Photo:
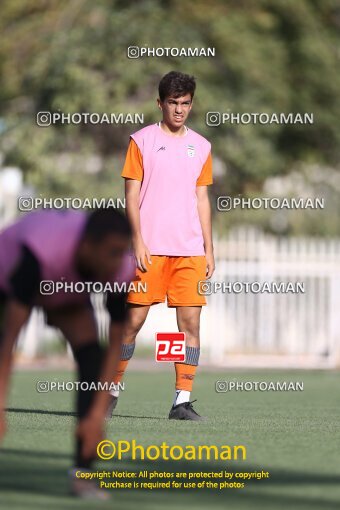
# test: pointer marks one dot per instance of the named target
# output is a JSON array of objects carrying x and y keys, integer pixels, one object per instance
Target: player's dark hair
[
  {"x": 103, "y": 222},
  {"x": 175, "y": 84}
]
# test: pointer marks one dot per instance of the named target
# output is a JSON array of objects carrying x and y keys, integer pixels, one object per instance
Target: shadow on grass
[
  {"x": 71, "y": 413},
  {"x": 36, "y": 473},
  {"x": 140, "y": 417},
  {"x": 40, "y": 411}
]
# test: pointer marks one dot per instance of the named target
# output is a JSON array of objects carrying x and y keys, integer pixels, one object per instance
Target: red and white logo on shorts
[{"x": 170, "y": 347}]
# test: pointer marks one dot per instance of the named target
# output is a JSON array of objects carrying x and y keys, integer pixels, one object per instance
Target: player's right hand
[
  {"x": 142, "y": 255},
  {"x": 91, "y": 431}
]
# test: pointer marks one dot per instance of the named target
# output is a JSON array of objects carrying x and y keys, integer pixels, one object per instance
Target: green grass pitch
[{"x": 293, "y": 435}]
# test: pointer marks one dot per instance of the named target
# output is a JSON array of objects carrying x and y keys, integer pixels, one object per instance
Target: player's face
[
  {"x": 104, "y": 258},
  {"x": 176, "y": 110}
]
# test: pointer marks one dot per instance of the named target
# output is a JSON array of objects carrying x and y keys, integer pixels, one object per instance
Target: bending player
[
  {"x": 167, "y": 171},
  {"x": 71, "y": 247}
]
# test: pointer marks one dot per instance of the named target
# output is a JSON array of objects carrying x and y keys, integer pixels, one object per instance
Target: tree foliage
[{"x": 271, "y": 56}]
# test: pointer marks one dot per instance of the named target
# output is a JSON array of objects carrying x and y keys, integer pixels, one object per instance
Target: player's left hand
[
  {"x": 91, "y": 431},
  {"x": 209, "y": 257}
]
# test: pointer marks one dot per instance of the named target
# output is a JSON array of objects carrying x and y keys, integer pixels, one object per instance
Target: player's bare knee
[
  {"x": 192, "y": 334},
  {"x": 132, "y": 328},
  {"x": 134, "y": 322}
]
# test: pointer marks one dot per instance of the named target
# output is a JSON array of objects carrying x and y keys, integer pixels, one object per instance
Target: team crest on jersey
[{"x": 191, "y": 151}]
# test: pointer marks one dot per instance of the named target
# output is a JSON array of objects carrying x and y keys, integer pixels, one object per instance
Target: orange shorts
[{"x": 173, "y": 277}]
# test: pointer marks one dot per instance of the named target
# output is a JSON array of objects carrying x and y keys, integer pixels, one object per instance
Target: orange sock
[
  {"x": 118, "y": 375},
  {"x": 126, "y": 354},
  {"x": 185, "y": 375}
]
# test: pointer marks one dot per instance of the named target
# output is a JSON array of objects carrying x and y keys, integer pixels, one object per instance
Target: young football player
[{"x": 167, "y": 172}]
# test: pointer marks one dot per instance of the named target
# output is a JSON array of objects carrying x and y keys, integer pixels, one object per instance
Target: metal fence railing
[{"x": 275, "y": 327}]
